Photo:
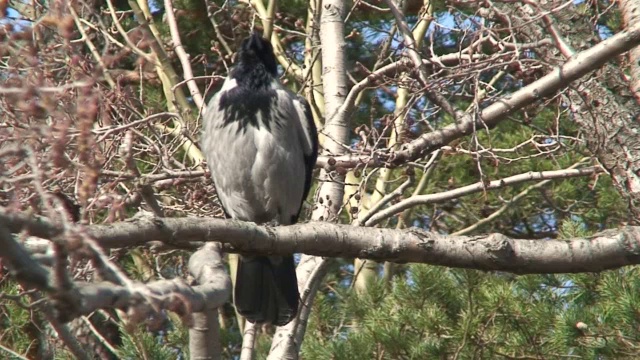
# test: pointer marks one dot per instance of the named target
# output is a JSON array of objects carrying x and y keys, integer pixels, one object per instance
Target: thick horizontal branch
[
  {"x": 142, "y": 299},
  {"x": 175, "y": 295},
  {"x": 611, "y": 249}
]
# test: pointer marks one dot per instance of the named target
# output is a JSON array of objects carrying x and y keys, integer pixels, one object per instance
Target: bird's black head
[
  {"x": 255, "y": 72},
  {"x": 255, "y": 51}
]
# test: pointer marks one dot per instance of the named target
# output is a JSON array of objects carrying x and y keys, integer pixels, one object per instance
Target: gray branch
[
  {"x": 607, "y": 250},
  {"x": 174, "y": 295},
  {"x": 204, "y": 331},
  {"x": 141, "y": 300},
  {"x": 575, "y": 68}
]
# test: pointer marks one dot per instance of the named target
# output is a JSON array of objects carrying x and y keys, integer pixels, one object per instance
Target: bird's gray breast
[{"x": 255, "y": 157}]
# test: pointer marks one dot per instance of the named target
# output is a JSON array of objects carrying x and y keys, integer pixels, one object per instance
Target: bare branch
[
  {"x": 477, "y": 187},
  {"x": 204, "y": 331},
  {"x": 183, "y": 56},
  {"x": 31, "y": 275},
  {"x": 607, "y": 250},
  {"x": 412, "y": 46},
  {"x": 92, "y": 47},
  {"x": 174, "y": 295},
  {"x": 65, "y": 334},
  {"x": 384, "y": 201},
  {"x": 21, "y": 265},
  {"x": 578, "y": 66}
]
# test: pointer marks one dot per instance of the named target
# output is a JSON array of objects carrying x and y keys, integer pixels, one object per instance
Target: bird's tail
[{"x": 266, "y": 289}]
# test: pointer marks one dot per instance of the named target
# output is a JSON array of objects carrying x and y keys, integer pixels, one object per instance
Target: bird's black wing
[
  {"x": 311, "y": 158},
  {"x": 308, "y": 137}
]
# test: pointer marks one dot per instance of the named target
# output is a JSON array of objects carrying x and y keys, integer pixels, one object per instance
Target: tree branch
[
  {"x": 417, "y": 200},
  {"x": 204, "y": 330},
  {"x": 174, "y": 295},
  {"x": 30, "y": 274},
  {"x": 248, "y": 341},
  {"x": 183, "y": 56},
  {"x": 138, "y": 298},
  {"x": 575, "y": 68},
  {"x": 606, "y": 250},
  {"x": 22, "y": 266},
  {"x": 413, "y": 47}
]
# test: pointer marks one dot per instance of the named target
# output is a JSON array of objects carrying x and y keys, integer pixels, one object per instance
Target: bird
[{"x": 261, "y": 145}]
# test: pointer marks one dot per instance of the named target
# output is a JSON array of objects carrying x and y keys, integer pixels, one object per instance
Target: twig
[
  {"x": 414, "y": 55},
  {"x": 12, "y": 353},
  {"x": 46, "y": 89},
  {"x": 384, "y": 201},
  {"x": 478, "y": 187},
  {"x": 104, "y": 342},
  {"x": 183, "y": 56},
  {"x": 65, "y": 335},
  {"x": 579, "y": 65},
  {"x": 210, "y": 6},
  {"x": 506, "y": 206},
  {"x": 148, "y": 57},
  {"x": 92, "y": 48}
]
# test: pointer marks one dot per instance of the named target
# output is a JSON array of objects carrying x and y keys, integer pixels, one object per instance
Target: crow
[{"x": 261, "y": 145}]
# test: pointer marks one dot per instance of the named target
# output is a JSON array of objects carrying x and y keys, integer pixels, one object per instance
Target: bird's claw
[{"x": 273, "y": 223}]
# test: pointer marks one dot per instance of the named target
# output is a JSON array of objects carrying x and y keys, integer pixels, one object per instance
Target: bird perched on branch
[{"x": 261, "y": 145}]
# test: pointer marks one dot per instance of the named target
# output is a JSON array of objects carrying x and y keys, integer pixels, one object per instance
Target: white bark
[{"x": 311, "y": 270}]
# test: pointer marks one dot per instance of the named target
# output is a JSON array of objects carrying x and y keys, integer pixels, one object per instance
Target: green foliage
[
  {"x": 434, "y": 312},
  {"x": 143, "y": 344},
  {"x": 594, "y": 200},
  {"x": 15, "y": 321}
]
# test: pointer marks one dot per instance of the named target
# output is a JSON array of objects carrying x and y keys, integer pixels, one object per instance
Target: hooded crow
[{"x": 261, "y": 145}]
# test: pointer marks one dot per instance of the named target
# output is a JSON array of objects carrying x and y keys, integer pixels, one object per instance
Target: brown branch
[
  {"x": 141, "y": 300},
  {"x": 175, "y": 295},
  {"x": 212, "y": 17},
  {"x": 30, "y": 274},
  {"x": 411, "y": 45}
]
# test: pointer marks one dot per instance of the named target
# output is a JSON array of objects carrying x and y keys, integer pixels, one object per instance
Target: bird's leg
[{"x": 273, "y": 223}]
